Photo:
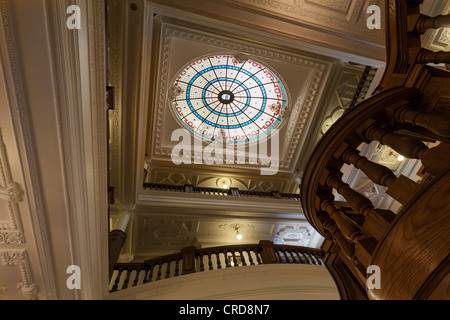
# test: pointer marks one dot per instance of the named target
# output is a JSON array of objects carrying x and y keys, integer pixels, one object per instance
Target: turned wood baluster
[
  {"x": 347, "y": 247},
  {"x": 301, "y": 255},
  {"x": 227, "y": 260},
  {"x": 241, "y": 253},
  {"x": 356, "y": 201},
  {"x": 136, "y": 278},
  {"x": 150, "y": 276},
  {"x": 377, "y": 221},
  {"x": 219, "y": 264},
  {"x": 210, "y": 264},
  {"x": 292, "y": 255},
  {"x": 424, "y": 22},
  {"x": 319, "y": 259},
  {"x": 258, "y": 257},
  {"x": 177, "y": 267},
  {"x": 169, "y": 263},
  {"x": 278, "y": 255},
  {"x": 286, "y": 258},
  {"x": 298, "y": 258},
  {"x": 158, "y": 276},
  {"x": 374, "y": 171},
  {"x": 435, "y": 123},
  {"x": 348, "y": 227},
  {"x": 250, "y": 257},
  {"x": 202, "y": 266},
  {"x": 127, "y": 278},
  {"x": 401, "y": 188},
  {"x": 234, "y": 258},
  {"x": 406, "y": 146},
  {"x": 116, "y": 283},
  {"x": 428, "y": 56},
  {"x": 409, "y": 147},
  {"x": 146, "y": 270}
]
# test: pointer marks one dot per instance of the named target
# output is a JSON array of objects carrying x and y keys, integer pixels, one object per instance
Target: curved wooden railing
[
  {"x": 235, "y": 192},
  {"x": 409, "y": 110},
  {"x": 191, "y": 260}
]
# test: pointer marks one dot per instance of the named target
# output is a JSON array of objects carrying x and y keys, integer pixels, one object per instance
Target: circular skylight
[{"x": 220, "y": 97}]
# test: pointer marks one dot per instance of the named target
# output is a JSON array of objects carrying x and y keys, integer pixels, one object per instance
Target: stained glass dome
[{"x": 220, "y": 97}]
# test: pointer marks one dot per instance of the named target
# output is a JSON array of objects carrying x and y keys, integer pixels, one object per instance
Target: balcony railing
[
  {"x": 409, "y": 111},
  {"x": 234, "y": 192},
  {"x": 190, "y": 260}
]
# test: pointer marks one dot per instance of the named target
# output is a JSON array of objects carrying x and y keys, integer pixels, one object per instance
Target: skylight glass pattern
[{"x": 220, "y": 97}]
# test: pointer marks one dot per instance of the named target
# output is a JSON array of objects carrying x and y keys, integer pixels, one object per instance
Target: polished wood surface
[{"x": 409, "y": 110}]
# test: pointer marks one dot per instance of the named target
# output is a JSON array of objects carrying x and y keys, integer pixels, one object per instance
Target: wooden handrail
[
  {"x": 406, "y": 113},
  {"x": 191, "y": 260}
]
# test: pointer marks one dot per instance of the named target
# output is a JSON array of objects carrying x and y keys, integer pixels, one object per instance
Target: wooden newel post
[
  {"x": 267, "y": 252},
  {"x": 188, "y": 259},
  {"x": 116, "y": 241}
]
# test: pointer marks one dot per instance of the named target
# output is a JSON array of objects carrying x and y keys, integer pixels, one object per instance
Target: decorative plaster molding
[
  {"x": 11, "y": 193},
  {"x": 341, "y": 16},
  {"x": 19, "y": 259},
  {"x": 301, "y": 108}
]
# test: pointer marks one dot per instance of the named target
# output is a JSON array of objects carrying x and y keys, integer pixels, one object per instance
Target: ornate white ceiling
[
  {"x": 319, "y": 84},
  {"x": 305, "y": 79}
]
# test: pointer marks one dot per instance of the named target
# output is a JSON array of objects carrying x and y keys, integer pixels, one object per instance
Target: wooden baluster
[
  {"x": 219, "y": 264},
  {"x": 359, "y": 252},
  {"x": 250, "y": 258},
  {"x": 348, "y": 227},
  {"x": 410, "y": 147},
  {"x": 177, "y": 267},
  {"x": 146, "y": 270},
  {"x": 158, "y": 276},
  {"x": 318, "y": 258},
  {"x": 347, "y": 247},
  {"x": 288, "y": 256},
  {"x": 257, "y": 254},
  {"x": 116, "y": 283},
  {"x": 302, "y": 257},
  {"x": 427, "y": 56},
  {"x": 292, "y": 256},
  {"x": 136, "y": 278},
  {"x": 169, "y": 263},
  {"x": 377, "y": 222},
  {"x": 202, "y": 266},
  {"x": 277, "y": 252},
  {"x": 297, "y": 256},
  {"x": 150, "y": 276},
  {"x": 127, "y": 278},
  {"x": 424, "y": 22},
  {"x": 210, "y": 264},
  {"x": 436, "y": 123},
  {"x": 315, "y": 258},
  {"x": 227, "y": 260},
  {"x": 310, "y": 259},
  {"x": 402, "y": 188},
  {"x": 406, "y": 146},
  {"x": 234, "y": 258},
  {"x": 244, "y": 263}
]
